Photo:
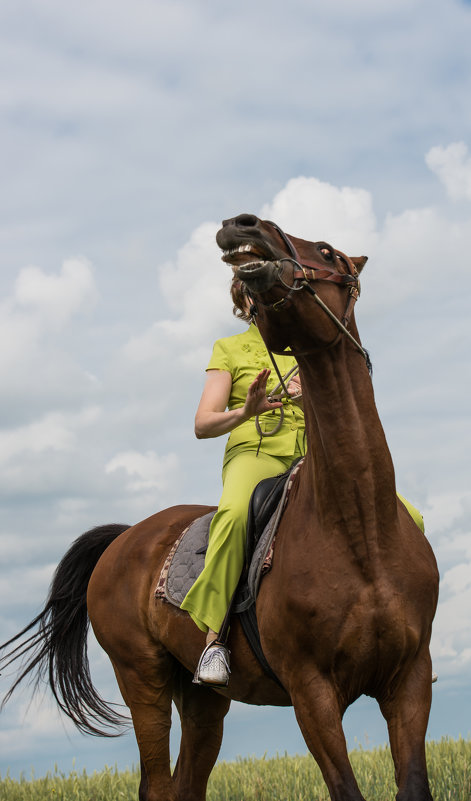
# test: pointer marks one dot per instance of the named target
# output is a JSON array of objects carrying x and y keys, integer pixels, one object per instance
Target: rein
[
  {"x": 305, "y": 273},
  {"x": 275, "y": 395}
]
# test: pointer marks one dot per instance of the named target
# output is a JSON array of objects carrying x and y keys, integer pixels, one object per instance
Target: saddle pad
[{"x": 185, "y": 561}]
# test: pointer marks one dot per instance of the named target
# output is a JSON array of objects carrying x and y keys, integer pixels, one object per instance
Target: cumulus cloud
[
  {"x": 458, "y": 578},
  {"x": 147, "y": 470},
  {"x": 56, "y": 432},
  {"x": 316, "y": 210},
  {"x": 449, "y": 528},
  {"x": 451, "y": 646},
  {"x": 195, "y": 287},
  {"x": 56, "y": 297},
  {"x": 50, "y": 456},
  {"x": 41, "y": 302},
  {"x": 407, "y": 252},
  {"x": 35, "y": 321},
  {"x": 452, "y": 165}
]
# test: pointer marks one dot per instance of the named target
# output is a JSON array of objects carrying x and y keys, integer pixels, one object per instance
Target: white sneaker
[{"x": 213, "y": 667}]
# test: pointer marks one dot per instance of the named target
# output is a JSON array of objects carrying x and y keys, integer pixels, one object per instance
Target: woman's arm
[{"x": 212, "y": 419}]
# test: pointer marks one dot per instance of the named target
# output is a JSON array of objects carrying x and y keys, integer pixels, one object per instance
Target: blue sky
[{"x": 129, "y": 130}]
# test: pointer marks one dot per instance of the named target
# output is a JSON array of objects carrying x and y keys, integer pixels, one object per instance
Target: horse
[{"x": 347, "y": 607}]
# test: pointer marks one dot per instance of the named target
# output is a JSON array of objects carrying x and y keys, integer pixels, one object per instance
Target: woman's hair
[{"x": 240, "y": 297}]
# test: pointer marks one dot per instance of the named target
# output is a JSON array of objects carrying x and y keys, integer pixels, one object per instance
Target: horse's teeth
[{"x": 240, "y": 249}]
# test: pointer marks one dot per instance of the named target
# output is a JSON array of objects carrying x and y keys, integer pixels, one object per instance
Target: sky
[{"x": 128, "y": 131}]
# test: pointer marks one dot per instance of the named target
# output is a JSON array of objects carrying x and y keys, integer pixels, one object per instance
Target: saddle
[
  {"x": 263, "y": 503},
  {"x": 186, "y": 559}
]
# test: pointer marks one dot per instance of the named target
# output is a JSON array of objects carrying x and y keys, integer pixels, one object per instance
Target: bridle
[{"x": 307, "y": 272}]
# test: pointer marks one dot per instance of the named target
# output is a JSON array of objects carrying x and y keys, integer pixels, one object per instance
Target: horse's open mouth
[
  {"x": 244, "y": 254},
  {"x": 259, "y": 276},
  {"x": 254, "y": 269}
]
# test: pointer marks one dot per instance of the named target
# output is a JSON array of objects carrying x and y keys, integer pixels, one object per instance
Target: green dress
[{"x": 247, "y": 460}]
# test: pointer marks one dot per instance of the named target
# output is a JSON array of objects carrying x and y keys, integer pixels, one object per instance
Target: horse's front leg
[
  {"x": 318, "y": 713},
  {"x": 407, "y": 710}
]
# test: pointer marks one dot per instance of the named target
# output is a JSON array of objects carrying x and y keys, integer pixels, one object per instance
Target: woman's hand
[
  {"x": 256, "y": 401},
  {"x": 295, "y": 390},
  {"x": 212, "y": 419}
]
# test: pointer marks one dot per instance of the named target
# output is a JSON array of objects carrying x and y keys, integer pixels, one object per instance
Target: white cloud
[
  {"x": 36, "y": 322},
  {"x": 451, "y": 643},
  {"x": 407, "y": 253},
  {"x": 316, "y": 210},
  {"x": 196, "y": 284},
  {"x": 458, "y": 578},
  {"x": 450, "y": 508},
  {"x": 452, "y": 165},
  {"x": 55, "y": 432},
  {"x": 449, "y": 529},
  {"x": 55, "y": 456},
  {"x": 56, "y": 297},
  {"x": 40, "y": 302},
  {"x": 196, "y": 288},
  {"x": 147, "y": 470}
]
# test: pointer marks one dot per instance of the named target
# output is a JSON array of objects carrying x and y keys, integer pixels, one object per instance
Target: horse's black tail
[{"x": 57, "y": 651}]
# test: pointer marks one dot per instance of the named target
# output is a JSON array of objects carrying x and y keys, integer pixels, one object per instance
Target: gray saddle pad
[{"x": 187, "y": 559}]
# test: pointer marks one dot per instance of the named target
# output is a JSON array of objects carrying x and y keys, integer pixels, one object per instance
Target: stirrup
[{"x": 213, "y": 666}]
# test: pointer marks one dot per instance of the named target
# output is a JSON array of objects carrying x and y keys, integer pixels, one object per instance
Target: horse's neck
[{"x": 348, "y": 465}]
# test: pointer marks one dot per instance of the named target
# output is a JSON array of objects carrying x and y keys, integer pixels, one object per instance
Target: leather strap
[{"x": 315, "y": 273}]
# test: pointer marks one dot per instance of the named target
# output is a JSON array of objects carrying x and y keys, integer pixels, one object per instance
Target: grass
[{"x": 283, "y": 778}]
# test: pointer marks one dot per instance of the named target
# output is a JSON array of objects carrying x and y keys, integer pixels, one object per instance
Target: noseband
[{"x": 305, "y": 273}]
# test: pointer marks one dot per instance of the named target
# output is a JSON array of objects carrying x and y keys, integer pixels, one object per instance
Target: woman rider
[{"x": 235, "y": 392}]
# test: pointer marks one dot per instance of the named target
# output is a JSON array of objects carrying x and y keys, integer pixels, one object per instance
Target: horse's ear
[{"x": 359, "y": 262}]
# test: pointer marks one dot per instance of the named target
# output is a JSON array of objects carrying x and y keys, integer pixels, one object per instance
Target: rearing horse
[{"x": 347, "y": 608}]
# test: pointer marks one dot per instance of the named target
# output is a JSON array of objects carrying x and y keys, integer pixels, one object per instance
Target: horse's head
[{"x": 284, "y": 275}]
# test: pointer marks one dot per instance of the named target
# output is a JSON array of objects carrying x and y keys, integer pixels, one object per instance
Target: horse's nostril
[{"x": 246, "y": 220}]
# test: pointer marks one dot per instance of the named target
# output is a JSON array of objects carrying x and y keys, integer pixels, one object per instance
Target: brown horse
[{"x": 347, "y": 608}]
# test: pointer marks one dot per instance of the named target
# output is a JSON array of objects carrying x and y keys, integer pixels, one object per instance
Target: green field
[{"x": 280, "y": 779}]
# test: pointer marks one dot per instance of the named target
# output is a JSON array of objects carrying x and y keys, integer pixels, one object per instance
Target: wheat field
[{"x": 282, "y": 778}]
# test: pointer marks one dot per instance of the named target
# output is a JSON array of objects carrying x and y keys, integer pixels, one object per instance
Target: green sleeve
[{"x": 220, "y": 357}]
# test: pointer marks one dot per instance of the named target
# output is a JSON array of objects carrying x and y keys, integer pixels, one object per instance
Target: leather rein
[{"x": 305, "y": 273}]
